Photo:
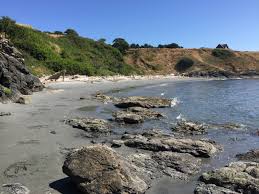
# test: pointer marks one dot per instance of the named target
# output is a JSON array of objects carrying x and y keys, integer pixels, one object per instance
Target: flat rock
[
  {"x": 189, "y": 127},
  {"x": 212, "y": 189},
  {"x": 198, "y": 148},
  {"x": 93, "y": 126},
  {"x": 252, "y": 156},
  {"x": 144, "y": 102},
  {"x": 100, "y": 170},
  {"x": 128, "y": 117},
  {"x": 15, "y": 188},
  {"x": 241, "y": 177}
]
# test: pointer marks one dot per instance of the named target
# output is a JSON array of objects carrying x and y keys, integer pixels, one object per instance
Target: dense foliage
[
  {"x": 222, "y": 53},
  {"x": 50, "y": 52},
  {"x": 121, "y": 44},
  {"x": 184, "y": 64}
]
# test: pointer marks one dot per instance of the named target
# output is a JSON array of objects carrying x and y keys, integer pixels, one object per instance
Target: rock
[
  {"x": 229, "y": 126},
  {"x": 15, "y": 188},
  {"x": 144, "y": 102},
  {"x": 117, "y": 143},
  {"x": 175, "y": 165},
  {"x": 98, "y": 169},
  {"x": 241, "y": 177},
  {"x": 128, "y": 117},
  {"x": 146, "y": 113},
  {"x": 188, "y": 127},
  {"x": 104, "y": 98},
  {"x": 23, "y": 100},
  {"x": 198, "y": 148},
  {"x": 212, "y": 189},
  {"x": 252, "y": 156},
  {"x": 15, "y": 78},
  {"x": 5, "y": 114},
  {"x": 94, "y": 126},
  {"x": 53, "y": 132}
]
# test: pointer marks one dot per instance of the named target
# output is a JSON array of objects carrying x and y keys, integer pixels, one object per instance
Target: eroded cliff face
[{"x": 15, "y": 78}]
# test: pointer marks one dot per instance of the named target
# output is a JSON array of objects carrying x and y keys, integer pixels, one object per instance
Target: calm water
[{"x": 212, "y": 102}]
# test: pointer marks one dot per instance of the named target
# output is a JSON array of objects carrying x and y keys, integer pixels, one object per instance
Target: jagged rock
[
  {"x": 93, "y": 126},
  {"x": 5, "y": 114},
  {"x": 146, "y": 113},
  {"x": 241, "y": 177},
  {"x": 188, "y": 127},
  {"x": 198, "y": 148},
  {"x": 128, "y": 117},
  {"x": 144, "y": 102},
  {"x": 175, "y": 165},
  {"x": 98, "y": 169},
  {"x": 15, "y": 79},
  {"x": 15, "y": 188},
  {"x": 212, "y": 189},
  {"x": 252, "y": 156}
]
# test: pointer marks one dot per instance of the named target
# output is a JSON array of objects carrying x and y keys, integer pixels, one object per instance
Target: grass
[{"x": 6, "y": 90}]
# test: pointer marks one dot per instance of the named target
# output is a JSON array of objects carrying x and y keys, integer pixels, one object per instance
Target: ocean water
[{"x": 210, "y": 102}]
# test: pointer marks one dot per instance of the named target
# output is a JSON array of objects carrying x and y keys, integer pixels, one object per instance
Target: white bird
[{"x": 162, "y": 94}]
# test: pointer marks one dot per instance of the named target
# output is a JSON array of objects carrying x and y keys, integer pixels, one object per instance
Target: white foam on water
[{"x": 174, "y": 102}]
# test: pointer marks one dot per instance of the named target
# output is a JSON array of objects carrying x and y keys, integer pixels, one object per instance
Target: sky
[{"x": 190, "y": 23}]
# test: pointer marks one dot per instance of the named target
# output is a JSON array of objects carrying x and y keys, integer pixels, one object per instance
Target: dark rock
[
  {"x": 212, "y": 189},
  {"x": 15, "y": 188},
  {"x": 15, "y": 79},
  {"x": 198, "y": 148},
  {"x": 94, "y": 126},
  {"x": 98, "y": 169},
  {"x": 144, "y": 102},
  {"x": 5, "y": 114},
  {"x": 146, "y": 113},
  {"x": 128, "y": 117},
  {"x": 188, "y": 127},
  {"x": 241, "y": 177},
  {"x": 252, "y": 156},
  {"x": 53, "y": 132}
]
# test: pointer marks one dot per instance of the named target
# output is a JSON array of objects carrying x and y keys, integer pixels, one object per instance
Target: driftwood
[{"x": 57, "y": 75}]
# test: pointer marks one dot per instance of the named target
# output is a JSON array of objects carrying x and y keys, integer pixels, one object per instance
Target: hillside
[
  {"x": 194, "y": 62},
  {"x": 46, "y": 53}
]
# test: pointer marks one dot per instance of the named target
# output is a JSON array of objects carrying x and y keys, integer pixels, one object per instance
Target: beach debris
[
  {"x": 252, "y": 156},
  {"x": 99, "y": 169},
  {"x": 5, "y": 114},
  {"x": 23, "y": 100},
  {"x": 15, "y": 188},
  {"x": 95, "y": 127},
  {"x": 240, "y": 177}
]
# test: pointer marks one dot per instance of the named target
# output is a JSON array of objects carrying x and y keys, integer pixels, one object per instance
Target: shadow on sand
[{"x": 64, "y": 186}]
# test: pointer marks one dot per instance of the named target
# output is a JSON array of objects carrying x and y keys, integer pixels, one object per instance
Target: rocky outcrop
[
  {"x": 212, "y": 189},
  {"x": 240, "y": 177},
  {"x": 95, "y": 127},
  {"x": 98, "y": 169},
  {"x": 189, "y": 127},
  {"x": 158, "y": 142},
  {"x": 252, "y": 156},
  {"x": 15, "y": 78},
  {"x": 134, "y": 115},
  {"x": 144, "y": 102}
]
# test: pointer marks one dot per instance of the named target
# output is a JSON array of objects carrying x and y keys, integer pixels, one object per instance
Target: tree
[
  {"x": 134, "y": 46},
  {"x": 121, "y": 44},
  {"x": 71, "y": 32},
  {"x": 6, "y": 24},
  {"x": 102, "y": 40}
]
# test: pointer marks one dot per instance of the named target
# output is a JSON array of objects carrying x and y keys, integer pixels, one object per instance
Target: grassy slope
[
  {"x": 45, "y": 54},
  {"x": 163, "y": 61}
]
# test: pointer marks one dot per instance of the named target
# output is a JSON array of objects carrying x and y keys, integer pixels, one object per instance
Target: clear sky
[{"x": 191, "y": 23}]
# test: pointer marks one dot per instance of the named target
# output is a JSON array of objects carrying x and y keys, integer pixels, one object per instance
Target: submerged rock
[
  {"x": 240, "y": 177},
  {"x": 15, "y": 188},
  {"x": 198, "y": 148},
  {"x": 212, "y": 189},
  {"x": 98, "y": 169},
  {"x": 188, "y": 127},
  {"x": 93, "y": 126},
  {"x": 136, "y": 115},
  {"x": 144, "y": 102},
  {"x": 252, "y": 156}
]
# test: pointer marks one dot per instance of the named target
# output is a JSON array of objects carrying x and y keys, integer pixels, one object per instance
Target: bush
[
  {"x": 222, "y": 53},
  {"x": 184, "y": 64}
]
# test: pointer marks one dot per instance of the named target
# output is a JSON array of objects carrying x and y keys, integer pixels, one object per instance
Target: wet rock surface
[
  {"x": 158, "y": 142},
  {"x": 14, "y": 188},
  {"x": 98, "y": 169},
  {"x": 212, "y": 189},
  {"x": 189, "y": 127},
  {"x": 240, "y": 177},
  {"x": 252, "y": 156},
  {"x": 95, "y": 127}
]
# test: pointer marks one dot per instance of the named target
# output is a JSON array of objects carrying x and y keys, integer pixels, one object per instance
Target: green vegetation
[
  {"x": 222, "y": 53},
  {"x": 121, "y": 44},
  {"x": 7, "y": 91},
  {"x": 184, "y": 64},
  {"x": 50, "y": 52}
]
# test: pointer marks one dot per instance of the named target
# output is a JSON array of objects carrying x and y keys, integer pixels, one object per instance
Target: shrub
[
  {"x": 7, "y": 91},
  {"x": 184, "y": 64},
  {"x": 222, "y": 53}
]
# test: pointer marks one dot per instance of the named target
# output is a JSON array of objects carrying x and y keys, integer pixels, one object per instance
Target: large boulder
[
  {"x": 15, "y": 78},
  {"x": 95, "y": 127},
  {"x": 158, "y": 142},
  {"x": 240, "y": 177},
  {"x": 99, "y": 170}
]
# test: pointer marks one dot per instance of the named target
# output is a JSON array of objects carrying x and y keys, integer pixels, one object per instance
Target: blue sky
[{"x": 191, "y": 23}]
